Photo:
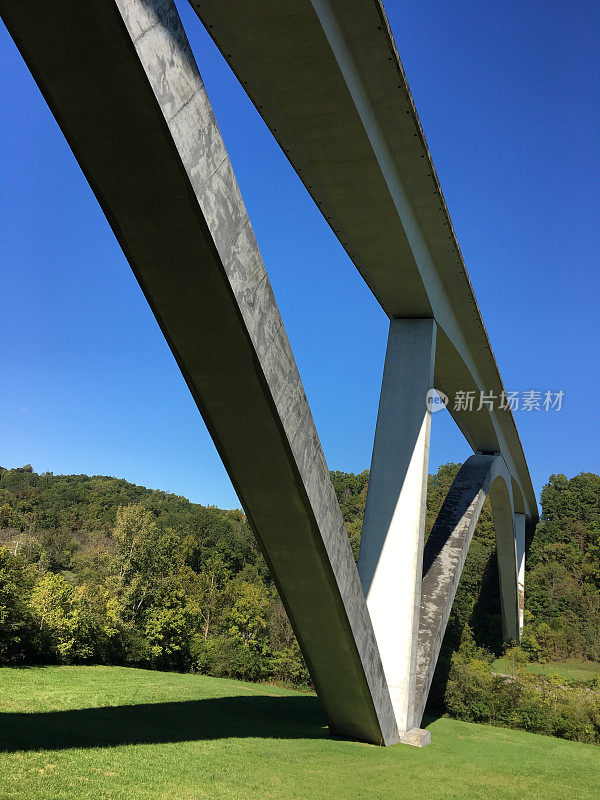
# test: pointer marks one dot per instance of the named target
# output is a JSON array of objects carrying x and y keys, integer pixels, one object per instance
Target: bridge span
[{"x": 122, "y": 83}]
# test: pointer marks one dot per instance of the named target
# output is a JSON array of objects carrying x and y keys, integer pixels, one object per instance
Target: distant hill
[{"x": 82, "y": 505}]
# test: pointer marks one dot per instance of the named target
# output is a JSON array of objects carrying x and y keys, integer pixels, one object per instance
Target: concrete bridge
[{"x": 121, "y": 81}]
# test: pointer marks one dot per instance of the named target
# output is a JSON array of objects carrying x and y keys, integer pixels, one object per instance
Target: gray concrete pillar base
[{"x": 417, "y": 737}]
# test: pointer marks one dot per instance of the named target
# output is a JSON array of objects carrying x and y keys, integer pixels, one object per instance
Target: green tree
[
  {"x": 16, "y": 623},
  {"x": 145, "y": 558},
  {"x": 5, "y": 515},
  {"x": 62, "y": 614},
  {"x": 168, "y": 628},
  {"x": 562, "y": 582},
  {"x": 248, "y": 616}
]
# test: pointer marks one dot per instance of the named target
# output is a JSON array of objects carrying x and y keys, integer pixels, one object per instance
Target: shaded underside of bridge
[{"x": 326, "y": 77}]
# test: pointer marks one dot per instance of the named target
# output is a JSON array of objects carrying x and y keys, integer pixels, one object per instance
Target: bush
[
  {"x": 287, "y": 666},
  {"x": 226, "y": 657},
  {"x": 535, "y": 703}
]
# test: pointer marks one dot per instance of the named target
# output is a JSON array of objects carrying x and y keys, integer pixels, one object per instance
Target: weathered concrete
[
  {"x": 444, "y": 558},
  {"x": 121, "y": 81},
  {"x": 417, "y": 737},
  {"x": 391, "y": 548}
]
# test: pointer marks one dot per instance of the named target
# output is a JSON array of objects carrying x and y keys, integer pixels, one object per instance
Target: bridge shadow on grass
[{"x": 152, "y": 723}]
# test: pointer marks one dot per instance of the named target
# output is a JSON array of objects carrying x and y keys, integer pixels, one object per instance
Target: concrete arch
[
  {"x": 501, "y": 499},
  {"x": 445, "y": 553},
  {"x": 486, "y": 429}
]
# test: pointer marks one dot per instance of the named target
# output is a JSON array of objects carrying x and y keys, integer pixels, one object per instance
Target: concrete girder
[
  {"x": 445, "y": 553},
  {"x": 120, "y": 78}
]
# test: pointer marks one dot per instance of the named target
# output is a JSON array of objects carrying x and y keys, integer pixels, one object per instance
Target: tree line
[{"x": 98, "y": 570}]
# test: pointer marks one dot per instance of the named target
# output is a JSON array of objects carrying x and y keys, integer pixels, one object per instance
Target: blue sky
[{"x": 509, "y": 98}]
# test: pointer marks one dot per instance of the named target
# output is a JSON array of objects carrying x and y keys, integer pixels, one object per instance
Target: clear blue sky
[{"x": 509, "y": 98}]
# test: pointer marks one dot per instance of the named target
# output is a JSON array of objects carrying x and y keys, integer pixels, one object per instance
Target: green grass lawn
[
  {"x": 111, "y": 733},
  {"x": 571, "y": 670}
]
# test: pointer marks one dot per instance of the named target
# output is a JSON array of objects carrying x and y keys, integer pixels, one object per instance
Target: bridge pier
[{"x": 391, "y": 550}]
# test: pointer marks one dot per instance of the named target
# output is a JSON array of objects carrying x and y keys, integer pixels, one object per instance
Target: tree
[
  {"x": 248, "y": 616},
  {"x": 169, "y": 628},
  {"x": 562, "y": 582},
  {"x": 146, "y": 556},
  {"x": 63, "y": 617},
  {"x": 5, "y": 515},
  {"x": 16, "y": 624}
]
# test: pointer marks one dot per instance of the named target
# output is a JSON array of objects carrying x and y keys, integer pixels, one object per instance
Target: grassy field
[
  {"x": 111, "y": 733},
  {"x": 571, "y": 670}
]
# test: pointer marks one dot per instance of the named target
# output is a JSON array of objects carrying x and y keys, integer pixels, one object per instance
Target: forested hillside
[
  {"x": 562, "y": 584},
  {"x": 95, "y": 569}
]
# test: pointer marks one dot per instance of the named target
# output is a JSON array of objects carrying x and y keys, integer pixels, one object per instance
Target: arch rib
[{"x": 445, "y": 554}]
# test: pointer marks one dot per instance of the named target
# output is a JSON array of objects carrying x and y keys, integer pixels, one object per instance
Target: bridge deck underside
[{"x": 326, "y": 77}]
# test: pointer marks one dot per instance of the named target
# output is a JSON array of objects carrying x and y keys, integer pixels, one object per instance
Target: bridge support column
[
  {"x": 391, "y": 551},
  {"x": 520, "y": 545}
]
